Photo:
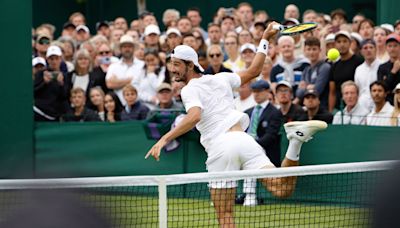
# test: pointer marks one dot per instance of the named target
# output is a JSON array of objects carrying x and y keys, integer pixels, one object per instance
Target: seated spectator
[
  {"x": 215, "y": 59},
  {"x": 104, "y": 58},
  {"x": 174, "y": 38},
  {"x": 165, "y": 97},
  {"x": 380, "y": 35},
  {"x": 113, "y": 107},
  {"x": 266, "y": 71},
  {"x": 395, "y": 121},
  {"x": 79, "y": 112},
  {"x": 314, "y": 111},
  {"x": 247, "y": 53},
  {"x": 82, "y": 34},
  {"x": 234, "y": 62},
  {"x": 353, "y": 113},
  {"x": 134, "y": 109},
  {"x": 290, "y": 111},
  {"x": 152, "y": 36},
  {"x": 189, "y": 40},
  {"x": 245, "y": 37},
  {"x": 96, "y": 95},
  {"x": 42, "y": 44},
  {"x": 38, "y": 64},
  {"x": 382, "y": 113}
]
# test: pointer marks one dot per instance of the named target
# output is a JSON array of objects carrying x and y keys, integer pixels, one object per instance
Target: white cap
[
  {"x": 53, "y": 50},
  {"x": 186, "y": 53},
  {"x": 173, "y": 30},
  {"x": 250, "y": 46},
  {"x": 285, "y": 83},
  {"x": 38, "y": 60},
  {"x": 330, "y": 38},
  {"x": 388, "y": 27},
  {"x": 126, "y": 39},
  {"x": 150, "y": 29},
  {"x": 343, "y": 33},
  {"x": 357, "y": 37},
  {"x": 82, "y": 27},
  {"x": 396, "y": 88}
]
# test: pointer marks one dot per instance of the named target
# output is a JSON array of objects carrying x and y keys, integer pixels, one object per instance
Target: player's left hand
[{"x": 155, "y": 151}]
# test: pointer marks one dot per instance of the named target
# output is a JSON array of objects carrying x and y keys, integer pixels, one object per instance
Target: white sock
[
  {"x": 249, "y": 186},
  {"x": 293, "y": 150}
]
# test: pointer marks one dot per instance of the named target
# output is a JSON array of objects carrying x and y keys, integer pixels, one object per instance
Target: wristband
[{"x": 263, "y": 47}]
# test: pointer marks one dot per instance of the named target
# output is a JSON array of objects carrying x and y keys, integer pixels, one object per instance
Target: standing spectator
[
  {"x": 148, "y": 18},
  {"x": 247, "y": 53},
  {"x": 189, "y": 40},
  {"x": 174, "y": 38},
  {"x": 113, "y": 107},
  {"x": 342, "y": 70},
  {"x": 290, "y": 112},
  {"x": 339, "y": 18},
  {"x": 265, "y": 124},
  {"x": 366, "y": 29},
  {"x": 380, "y": 35},
  {"x": 397, "y": 27},
  {"x": 170, "y": 18},
  {"x": 82, "y": 34},
  {"x": 261, "y": 15},
  {"x": 38, "y": 64},
  {"x": 49, "y": 93},
  {"x": 382, "y": 113},
  {"x": 316, "y": 75},
  {"x": 288, "y": 68},
  {"x": 291, "y": 11},
  {"x": 389, "y": 72},
  {"x": 273, "y": 52},
  {"x": 68, "y": 49},
  {"x": 77, "y": 19},
  {"x": 314, "y": 111},
  {"x": 184, "y": 25},
  {"x": 246, "y": 16},
  {"x": 116, "y": 35},
  {"x": 356, "y": 21},
  {"x": 266, "y": 70},
  {"x": 195, "y": 18},
  {"x": 200, "y": 41},
  {"x": 215, "y": 59},
  {"x": 309, "y": 16},
  {"x": 121, "y": 23},
  {"x": 104, "y": 58},
  {"x": 366, "y": 73},
  {"x": 78, "y": 111},
  {"x": 395, "y": 121},
  {"x": 68, "y": 30},
  {"x": 214, "y": 34},
  {"x": 134, "y": 109},
  {"x": 96, "y": 95},
  {"x": 103, "y": 28},
  {"x": 228, "y": 24},
  {"x": 245, "y": 100},
  {"x": 165, "y": 97},
  {"x": 42, "y": 44},
  {"x": 353, "y": 113},
  {"x": 257, "y": 32},
  {"x": 152, "y": 36},
  {"x": 245, "y": 37},
  {"x": 234, "y": 62},
  {"x": 121, "y": 73}
]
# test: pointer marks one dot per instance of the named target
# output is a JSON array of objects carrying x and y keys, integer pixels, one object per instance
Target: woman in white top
[
  {"x": 380, "y": 35},
  {"x": 97, "y": 99},
  {"x": 395, "y": 121}
]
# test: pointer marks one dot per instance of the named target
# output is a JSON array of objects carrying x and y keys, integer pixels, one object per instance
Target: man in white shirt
[
  {"x": 382, "y": 113},
  {"x": 366, "y": 73},
  {"x": 208, "y": 100},
  {"x": 122, "y": 72},
  {"x": 353, "y": 113}
]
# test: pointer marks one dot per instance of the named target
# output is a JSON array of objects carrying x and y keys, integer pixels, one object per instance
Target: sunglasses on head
[{"x": 215, "y": 55}]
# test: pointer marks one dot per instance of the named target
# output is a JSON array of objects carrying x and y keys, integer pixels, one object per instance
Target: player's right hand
[
  {"x": 155, "y": 151},
  {"x": 270, "y": 32}
]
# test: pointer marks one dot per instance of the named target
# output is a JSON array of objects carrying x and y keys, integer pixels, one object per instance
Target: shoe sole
[{"x": 318, "y": 124}]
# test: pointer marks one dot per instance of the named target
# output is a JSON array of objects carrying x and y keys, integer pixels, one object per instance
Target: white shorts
[{"x": 235, "y": 150}]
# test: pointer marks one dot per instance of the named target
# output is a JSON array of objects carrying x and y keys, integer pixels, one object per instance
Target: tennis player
[{"x": 208, "y": 100}]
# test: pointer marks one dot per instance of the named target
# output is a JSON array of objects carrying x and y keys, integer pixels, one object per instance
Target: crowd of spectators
[{"x": 120, "y": 72}]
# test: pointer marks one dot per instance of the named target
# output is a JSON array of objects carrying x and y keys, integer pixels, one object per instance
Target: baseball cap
[
  {"x": 174, "y": 31},
  {"x": 291, "y": 21},
  {"x": 186, "y": 53},
  {"x": 330, "y": 38},
  {"x": 343, "y": 33},
  {"x": 53, "y": 50},
  {"x": 43, "y": 36},
  {"x": 388, "y": 27},
  {"x": 396, "y": 88},
  {"x": 164, "y": 86},
  {"x": 393, "y": 37},
  {"x": 101, "y": 24},
  {"x": 259, "y": 85},
  {"x": 82, "y": 27},
  {"x": 367, "y": 41},
  {"x": 312, "y": 92},
  {"x": 126, "y": 39},
  {"x": 250, "y": 46},
  {"x": 150, "y": 29},
  {"x": 283, "y": 83},
  {"x": 260, "y": 23},
  {"x": 357, "y": 37},
  {"x": 38, "y": 60},
  {"x": 68, "y": 24}
]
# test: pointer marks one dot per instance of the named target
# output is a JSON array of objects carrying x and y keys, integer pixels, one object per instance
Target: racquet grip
[{"x": 278, "y": 27}]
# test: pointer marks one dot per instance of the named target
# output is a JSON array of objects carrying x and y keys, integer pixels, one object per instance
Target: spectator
[
  {"x": 395, "y": 120},
  {"x": 309, "y": 16},
  {"x": 291, "y": 11},
  {"x": 353, "y": 113},
  {"x": 366, "y": 73},
  {"x": 258, "y": 31},
  {"x": 381, "y": 115},
  {"x": 366, "y": 29},
  {"x": 246, "y": 16},
  {"x": 77, "y": 19},
  {"x": 134, "y": 34},
  {"x": 266, "y": 70},
  {"x": 273, "y": 53},
  {"x": 79, "y": 112},
  {"x": 245, "y": 100},
  {"x": 96, "y": 95},
  {"x": 113, "y": 107},
  {"x": 355, "y": 45},
  {"x": 389, "y": 72},
  {"x": 134, "y": 109},
  {"x": 121, "y": 23},
  {"x": 49, "y": 93},
  {"x": 356, "y": 21},
  {"x": 261, "y": 15},
  {"x": 189, "y": 40},
  {"x": 68, "y": 50},
  {"x": 265, "y": 124},
  {"x": 228, "y": 24},
  {"x": 68, "y": 30},
  {"x": 288, "y": 68},
  {"x": 152, "y": 36},
  {"x": 165, "y": 97},
  {"x": 342, "y": 70},
  {"x": 174, "y": 38},
  {"x": 170, "y": 18},
  {"x": 290, "y": 112},
  {"x": 148, "y": 18},
  {"x": 104, "y": 58},
  {"x": 215, "y": 59},
  {"x": 121, "y": 73},
  {"x": 42, "y": 44},
  {"x": 234, "y": 62},
  {"x": 116, "y": 35},
  {"x": 200, "y": 41},
  {"x": 313, "y": 109},
  {"x": 139, "y": 51},
  {"x": 339, "y": 18},
  {"x": 245, "y": 37},
  {"x": 185, "y": 25},
  {"x": 38, "y": 64},
  {"x": 195, "y": 18},
  {"x": 247, "y": 53},
  {"x": 82, "y": 34},
  {"x": 397, "y": 27},
  {"x": 380, "y": 35},
  {"x": 214, "y": 34},
  {"x": 316, "y": 75},
  {"x": 103, "y": 28}
]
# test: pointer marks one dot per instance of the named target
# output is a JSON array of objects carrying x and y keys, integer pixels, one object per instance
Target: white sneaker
[
  {"x": 303, "y": 130},
  {"x": 250, "y": 200}
]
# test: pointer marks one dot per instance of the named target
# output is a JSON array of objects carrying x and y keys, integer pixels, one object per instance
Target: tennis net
[{"x": 337, "y": 195}]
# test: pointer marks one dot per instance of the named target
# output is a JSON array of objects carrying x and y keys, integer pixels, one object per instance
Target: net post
[{"x": 162, "y": 203}]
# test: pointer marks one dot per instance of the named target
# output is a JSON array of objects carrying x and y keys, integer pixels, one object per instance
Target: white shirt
[
  {"x": 364, "y": 75},
  {"x": 124, "y": 71},
  {"x": 381, "y": 118},
  {"x": 213, "y": 94},
  {"x": 81, "y": 81},
  {"x": 356, "y": 116},
  {"x": 243, "y": 105},
  {"x": 147, "y": 84}
]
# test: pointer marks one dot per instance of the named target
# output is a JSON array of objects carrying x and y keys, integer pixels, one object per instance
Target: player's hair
[
  {"x": 312, "y": 41},
  {"x": 349, "y": 83}
]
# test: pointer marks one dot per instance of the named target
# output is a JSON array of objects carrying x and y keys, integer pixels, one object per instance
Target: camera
[
  {"x": 105, "y": 60},
  {"x": 229, "y": 11},
  {"x": 54, "y": 74}
]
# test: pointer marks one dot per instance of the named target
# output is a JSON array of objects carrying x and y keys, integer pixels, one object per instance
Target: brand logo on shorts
[{"x": 299, "y": 133}]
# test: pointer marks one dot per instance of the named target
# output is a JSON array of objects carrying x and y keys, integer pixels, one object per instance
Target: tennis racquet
[{"x": 291, "y": 30}]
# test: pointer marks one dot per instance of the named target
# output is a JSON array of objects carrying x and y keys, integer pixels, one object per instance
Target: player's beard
[{"x": 180, "y": 77}]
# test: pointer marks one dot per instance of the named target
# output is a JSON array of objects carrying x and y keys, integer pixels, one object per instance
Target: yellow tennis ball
[{"x": 333, "y": 54}]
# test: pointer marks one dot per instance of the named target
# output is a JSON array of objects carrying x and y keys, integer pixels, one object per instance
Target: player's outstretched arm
[
  {"x": 187, "y": 123},
  {"x": 256, "y": 66}
]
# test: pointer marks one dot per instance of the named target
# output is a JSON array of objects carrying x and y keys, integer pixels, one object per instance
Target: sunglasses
[
  {"x": 104, "y": 52},
  {"x": 215, "y": 55},
  {"x": 44, "y": 41},
  {"x": 230, "y": 43}
]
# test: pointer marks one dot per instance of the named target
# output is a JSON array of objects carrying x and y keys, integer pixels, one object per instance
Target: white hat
[
  {"x": 330, "y": 38},
  {"x": 150, "y": 29},
  {"x": 387, "y": 27},
  {"x": 126, "y": 39},
  {"x": 187, "y": 53},
  {"x": 343, "y": 33},
  {"x": 82, "y": 27},
  {"x": 250, "y": 46},
  {"x": 396, "y": 88},
  {"x": 285, "y": 83},
  {"x": 38, "y": 60},
  {"x": 357, "y": 37},
  {"x": 173, "y": 30},
  {"x": 53, "y": 50}
]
